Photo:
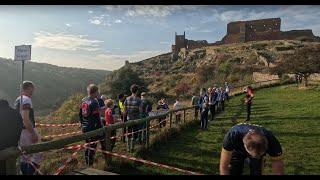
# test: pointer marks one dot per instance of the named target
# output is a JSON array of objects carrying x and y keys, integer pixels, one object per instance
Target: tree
[
  {"x": 121, "y": 80},
  {"x": 304, "y": 62}
]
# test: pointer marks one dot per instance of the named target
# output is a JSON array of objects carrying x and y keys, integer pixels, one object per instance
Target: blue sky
[{"x": 103, "y": 37}]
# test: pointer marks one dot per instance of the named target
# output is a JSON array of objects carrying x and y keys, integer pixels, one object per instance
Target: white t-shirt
[{"x": 177, "y": 105}]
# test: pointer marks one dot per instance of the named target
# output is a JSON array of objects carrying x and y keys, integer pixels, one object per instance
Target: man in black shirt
[
  {"x": 249, "y": 142},
  {"x": 11, "y": 124}
]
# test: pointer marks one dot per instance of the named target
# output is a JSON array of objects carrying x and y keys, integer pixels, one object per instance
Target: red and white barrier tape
[
  {"x": 56, "y": 125},
  {"x": 23, "y": 153},
  {"x": 73, "y": 156},
  {"x": 59, "y": 135},
  {"x": 146, "y": 162}
]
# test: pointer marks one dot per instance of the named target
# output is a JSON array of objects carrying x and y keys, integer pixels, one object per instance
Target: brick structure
[{"x": 182, "y": 42}]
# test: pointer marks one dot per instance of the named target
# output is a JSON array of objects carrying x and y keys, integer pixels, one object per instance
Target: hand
[{"x": 34, "y": 137}]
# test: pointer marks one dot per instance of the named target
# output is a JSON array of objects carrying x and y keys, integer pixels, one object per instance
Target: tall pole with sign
[{"x": 22, "y": 53}]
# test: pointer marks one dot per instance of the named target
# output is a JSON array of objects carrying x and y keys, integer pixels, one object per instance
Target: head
[
  {"x": 134, "y": 89},
  {"x": 4, "y": 103},
  {"x": 121, "y": 97},
  {"x": 209, "y": 90},
  {"x": 28, "y": 88},
  {"x": 163, "y": 101},
  {"x": 104, "y": 97},
  {"x": 177, "y": 99},
  {"x": 93, "y": 91},
  {"x": 143, "y": 95},
  {"x": 109, "y": 103},
  {"x": 255, "y": 143}
]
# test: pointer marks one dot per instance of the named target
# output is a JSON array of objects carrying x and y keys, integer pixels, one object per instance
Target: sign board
[{"x": 22, "y": 53}]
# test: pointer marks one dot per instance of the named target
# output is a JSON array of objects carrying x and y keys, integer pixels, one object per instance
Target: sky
[{"x": 105, "y": 36}]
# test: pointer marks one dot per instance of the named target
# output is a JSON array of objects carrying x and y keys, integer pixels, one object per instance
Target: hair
[
  {"x": 92, "y": 88},
  {"x": 120, "y": 96},
  {"x": 27, "y": 84},
  {"x": 134, "y": 88},
  {"x": 256, "y": 142},
  {"x": 3, "y": 103},
  {"x": 109, "y": 103}
]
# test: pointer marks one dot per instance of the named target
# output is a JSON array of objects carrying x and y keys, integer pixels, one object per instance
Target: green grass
[{"x": 292, "y": 114}]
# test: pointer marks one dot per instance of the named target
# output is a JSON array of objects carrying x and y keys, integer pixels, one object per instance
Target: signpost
[{"x": 22, "y": 53}]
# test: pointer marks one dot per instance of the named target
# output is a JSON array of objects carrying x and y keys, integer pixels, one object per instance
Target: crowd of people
[{"x": 243, "y": 141}]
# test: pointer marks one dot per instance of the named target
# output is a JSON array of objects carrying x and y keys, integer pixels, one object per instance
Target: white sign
[{"x": 22, "y": 53}]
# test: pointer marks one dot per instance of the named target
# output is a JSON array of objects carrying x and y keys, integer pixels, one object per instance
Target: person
[
  {"x": 102, "y": 108},
  {"x": 132, "y": 111},
  {"x": 146, "y": 107},
  {"x": 250, "y": 143},
  {"x": 178, "y": 105},
  {"x": 204, "y": 109},
  {"x": 109, "y": 119},
  {"x": 227, "y": 90},
  {"x": 195, "y": 102},
  {"x": 162, "y": 107},
  {"x": 223, "y": 98},
  {"x": 29, "y": 133},
  {"x": 248, "y": 100},
  {"x": 212, "y": 95},
  {"x": 90, "y": 120},
  {"x": 121, "y": 99},
  {"x": 219, "y": 97},
  {"x": 11, "y": 124}
]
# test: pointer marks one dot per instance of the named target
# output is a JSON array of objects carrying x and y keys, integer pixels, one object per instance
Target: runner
[
  {"x": 29, "y": 134},
  {"x": 204, "y": 100},
  {"x": 90, "y": 120},
  {"x": 132, "y": 111},
  {"x": 248, "y": 101},
  {"x": 248, "y": 142}
]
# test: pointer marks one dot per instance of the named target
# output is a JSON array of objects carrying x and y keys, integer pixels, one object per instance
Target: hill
[
  {"x": 54, "y": 84},
  {"x": 236, "y": 63}
]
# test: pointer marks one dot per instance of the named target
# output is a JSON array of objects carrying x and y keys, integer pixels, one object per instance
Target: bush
[
  {"x": 181, "y": 89},
  {"x": 258, "y": 46},
  {"x": 284, "y": 48}
]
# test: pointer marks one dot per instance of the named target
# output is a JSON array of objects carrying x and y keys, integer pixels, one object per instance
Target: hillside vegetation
[{"x": 54, "y": 84}]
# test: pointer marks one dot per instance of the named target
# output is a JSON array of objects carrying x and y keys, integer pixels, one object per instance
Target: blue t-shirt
[{"x": 233, "y": 140}]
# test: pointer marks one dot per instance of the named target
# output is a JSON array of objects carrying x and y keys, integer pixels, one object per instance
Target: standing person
[
  {"x": 146, "y": 107},
  {"x": 102, "y": 108},
  {"x": 248, "y": 142},
  {"x": 178, "y": 105},
  {"x": 219, "y": 96},
  {"x": 223, "y": 98},
  {"x": 121, "y": 99},
  {"x": 11, "y": 124},
  {"x": 195, "y": 102},
  {"x": 109, "y": 120},
  {"x": 90, "y": 120},
  {"x": 29, "y": 134},
  {"x": 204, "y": 110},
  {"x": 163, "y": 107},
  {"x": 248, "y": 101},
  {"x": 132, "y": 109},
  {"x": 227, "y": 90},
  {"x": 212, "y": 95}
]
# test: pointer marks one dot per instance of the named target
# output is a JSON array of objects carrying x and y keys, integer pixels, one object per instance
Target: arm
[
  {"x": 28, "y": 125},
  {"x": 225, "y": 161},
  {"x": 278, "y": 167}
]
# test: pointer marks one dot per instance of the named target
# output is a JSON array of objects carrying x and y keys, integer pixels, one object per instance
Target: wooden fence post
[
  {"x": 108, "y": 158},
  {"x": 184, "y": 116},
  {"x": 170, "y": 119},
  {"x": 147, "y": 133}
]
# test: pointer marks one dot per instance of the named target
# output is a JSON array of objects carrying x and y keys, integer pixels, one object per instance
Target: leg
[
  {"x": 202, "y": 120},
  {"x": 206, "y": 119},
  {"x": 236, "y": 164},
  {"x": 27, "y": 168},
  {"x": 89, "y": 154},
  {"x": 256, "y": 166},
  {"x": 248, "y": 111},
  {"x": 222, "y": 105}
]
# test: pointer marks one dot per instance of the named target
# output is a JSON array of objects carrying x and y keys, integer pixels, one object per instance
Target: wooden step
[{"x": 91, "y": 171}]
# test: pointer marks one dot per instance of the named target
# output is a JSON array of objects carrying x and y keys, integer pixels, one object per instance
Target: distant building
[{"x": 182, "y": 42}]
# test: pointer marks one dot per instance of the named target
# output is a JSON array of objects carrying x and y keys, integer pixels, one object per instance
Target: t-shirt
[
  {"x": 233, "y": 140},
  {"x": 132, "y": 105},
  {"x": 178, "y": 105},
  {"x": 26, "y": 105},
  {"x": 195, "y": 100},
  {"x": 108, "y": 116},
  {"x": 146, "y": 107},
  {"x": 89, "y": 114}
]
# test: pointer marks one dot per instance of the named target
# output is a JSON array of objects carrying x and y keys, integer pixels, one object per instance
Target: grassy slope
[{"x": 292, "y": 114}]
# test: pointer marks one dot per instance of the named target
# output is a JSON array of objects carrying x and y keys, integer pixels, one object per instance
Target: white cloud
[
  {"x": 152, "y": 10},
  {"x": 67, "y": 24},
  {"x": 205, "y": 31},
  {"x": 164, "y": 42},
  {"x": 99, "y": 20},
  {"x": 118, "y": 21},
  {"x": 62, "y": 41},
  {"x": 90, "y": 12}
]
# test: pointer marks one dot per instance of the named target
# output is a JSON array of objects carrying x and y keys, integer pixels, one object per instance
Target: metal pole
[{"x": 21, "y": 89}]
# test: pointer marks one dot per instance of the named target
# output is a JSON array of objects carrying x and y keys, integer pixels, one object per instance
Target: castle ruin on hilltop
[{"x": 245, "y": 31}]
